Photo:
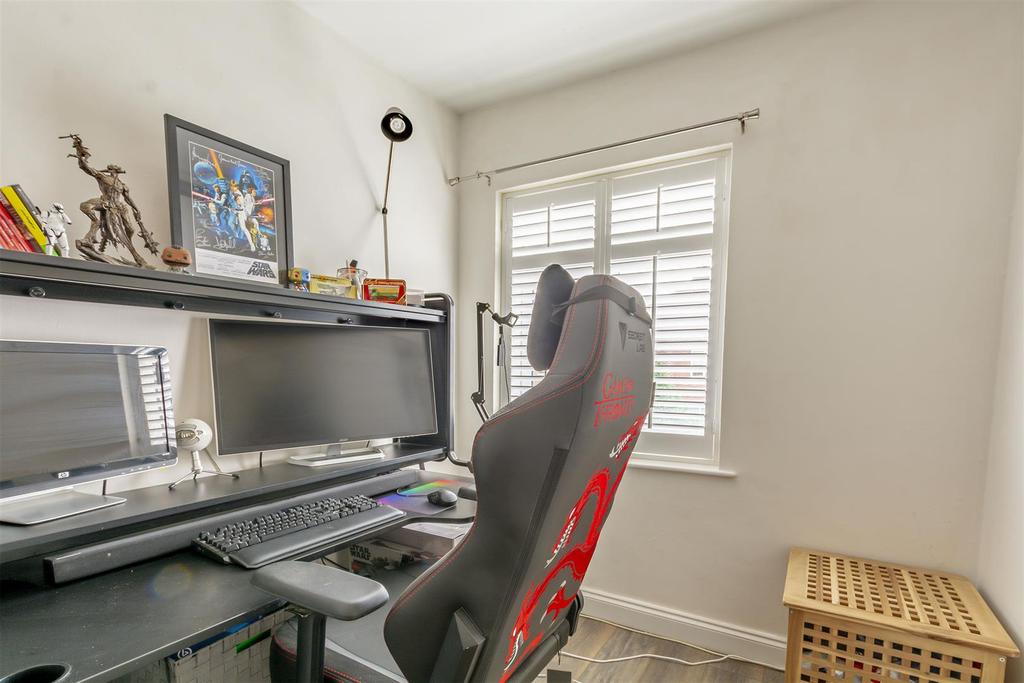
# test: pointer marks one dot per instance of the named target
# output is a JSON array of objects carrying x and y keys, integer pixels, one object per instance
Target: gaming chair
[{"x": 504, "y": 601}]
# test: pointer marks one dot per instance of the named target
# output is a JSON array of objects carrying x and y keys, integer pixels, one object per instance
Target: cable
[
  {"x": 719, "y": 656},
  {"x": 647, "y": 655},
  {"x": 324, "y": 561}
]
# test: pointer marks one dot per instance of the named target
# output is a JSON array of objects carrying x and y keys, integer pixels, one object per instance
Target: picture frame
[{"x": 230, "y": 203}]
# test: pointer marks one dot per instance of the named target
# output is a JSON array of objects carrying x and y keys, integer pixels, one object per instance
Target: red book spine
[
  {"x": 5, "y": 240},
  {"x": 5, "y": 205},
  {"x": 13, "y": 235},
  {"x": 21, "y": 237}
]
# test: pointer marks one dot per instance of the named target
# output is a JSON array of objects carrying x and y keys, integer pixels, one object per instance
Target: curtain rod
[{"x": 742, "y": 118}]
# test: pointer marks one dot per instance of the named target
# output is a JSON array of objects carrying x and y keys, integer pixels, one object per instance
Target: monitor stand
[
  {"x": 336, "y": 455},
  {"x": 53, "y": 505}
]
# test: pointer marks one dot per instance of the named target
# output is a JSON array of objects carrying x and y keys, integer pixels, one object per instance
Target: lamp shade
[{"x": 396, "y": 126}]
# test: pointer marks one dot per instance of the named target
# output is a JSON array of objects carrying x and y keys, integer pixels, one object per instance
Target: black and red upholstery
[{"x": 547, "y": 467}]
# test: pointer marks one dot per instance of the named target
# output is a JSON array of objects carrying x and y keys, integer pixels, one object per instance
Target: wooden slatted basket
[{"x": 860, "y": 621}]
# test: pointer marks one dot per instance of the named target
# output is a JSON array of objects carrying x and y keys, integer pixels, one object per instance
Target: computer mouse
[{"x": 442, "y": 498}]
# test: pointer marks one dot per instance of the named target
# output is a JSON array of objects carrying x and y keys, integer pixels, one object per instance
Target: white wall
[
  {"x": 1001, "y": 550},
  {"x": 264, "y": 73},
  {"x": 867, "y": 245}
]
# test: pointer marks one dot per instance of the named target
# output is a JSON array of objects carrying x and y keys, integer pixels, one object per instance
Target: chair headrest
[
  {"x": 554, "y": 297},
  {"x": 553, "y": 289}
]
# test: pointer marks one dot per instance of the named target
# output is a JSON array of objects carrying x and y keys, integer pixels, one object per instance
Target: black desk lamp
[{"x": 396, "y": 127}]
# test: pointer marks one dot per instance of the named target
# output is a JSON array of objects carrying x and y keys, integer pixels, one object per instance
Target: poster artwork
[{"x": 234, "y": 217}]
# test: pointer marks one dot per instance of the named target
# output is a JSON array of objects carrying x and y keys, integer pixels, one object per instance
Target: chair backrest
[{"x": 547, "y": 467}]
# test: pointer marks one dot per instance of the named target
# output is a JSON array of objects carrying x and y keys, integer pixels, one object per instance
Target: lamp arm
[{"x": 384, "y": 210}]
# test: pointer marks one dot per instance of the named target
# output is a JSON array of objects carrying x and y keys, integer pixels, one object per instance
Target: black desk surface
[
  {"x": 113, "y": 623},
  {"x": 156, "y": 505}
]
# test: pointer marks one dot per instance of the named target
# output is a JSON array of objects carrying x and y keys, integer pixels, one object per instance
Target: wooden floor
[{"x": 599, "y": 640}]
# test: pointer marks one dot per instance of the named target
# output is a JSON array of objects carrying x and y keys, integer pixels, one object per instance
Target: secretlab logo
[
  {"x": 261, "y": 269},
  {"x": 627, "y": 334}
]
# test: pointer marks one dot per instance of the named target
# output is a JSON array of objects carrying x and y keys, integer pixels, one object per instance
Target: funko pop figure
[{"x": 299, "y": 277}]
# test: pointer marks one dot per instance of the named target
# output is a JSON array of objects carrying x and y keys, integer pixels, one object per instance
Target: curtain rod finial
[{"x": 752, "y": 114}]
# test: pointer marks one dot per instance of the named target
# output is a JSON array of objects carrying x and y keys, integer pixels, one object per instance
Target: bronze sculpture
[{"x": 110, "y": 222}]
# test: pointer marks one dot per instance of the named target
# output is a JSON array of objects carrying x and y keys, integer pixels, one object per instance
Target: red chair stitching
[
  {"x": 572, "y": 383},
  {"x": 594, "y": 352}
]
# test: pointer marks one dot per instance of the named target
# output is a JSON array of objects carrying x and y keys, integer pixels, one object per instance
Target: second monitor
[{"x": 283, "y": 385}]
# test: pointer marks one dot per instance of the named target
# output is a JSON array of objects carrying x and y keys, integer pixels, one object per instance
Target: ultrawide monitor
[{"x": 282, "y": 385}]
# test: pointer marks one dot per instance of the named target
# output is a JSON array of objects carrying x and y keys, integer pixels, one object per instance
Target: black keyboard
[{"x": 292, "y": 531}]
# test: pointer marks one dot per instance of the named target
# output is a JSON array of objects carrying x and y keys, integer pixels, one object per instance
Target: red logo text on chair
[{"x": 616, "y": 400}]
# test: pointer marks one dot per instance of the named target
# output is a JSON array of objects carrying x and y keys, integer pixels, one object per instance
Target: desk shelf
[
  {"x": 53, "y": 277},
  {"x": 38, "y": 275}
]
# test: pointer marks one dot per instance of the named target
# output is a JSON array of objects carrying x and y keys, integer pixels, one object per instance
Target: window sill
[{"x": 682, "y": 467}]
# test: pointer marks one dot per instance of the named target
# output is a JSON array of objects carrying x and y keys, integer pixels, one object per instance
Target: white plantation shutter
[
  {"x": 553, "y": 226},
  {"x": 657, "y": 213},
  {"x": 524, "y": 287},
  {"x": 553, "y": 229},
  {"x": 677, "y": 290},
  {"x": 661, "y": 230}
]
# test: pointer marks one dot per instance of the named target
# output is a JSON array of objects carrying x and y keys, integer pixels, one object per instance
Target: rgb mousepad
[
  {"x": 424, "y": 489},
  {"x": 414, "y": 500},
  {"x": 413, "y": 505}
]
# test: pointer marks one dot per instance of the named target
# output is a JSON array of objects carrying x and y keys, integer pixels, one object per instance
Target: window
[{"x": 663, "y": 230}]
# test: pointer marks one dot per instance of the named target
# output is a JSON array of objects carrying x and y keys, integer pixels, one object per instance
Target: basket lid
[{"x": 921, "y": 601}]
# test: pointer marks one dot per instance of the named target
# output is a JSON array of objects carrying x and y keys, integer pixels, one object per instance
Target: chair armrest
[{"x": 332, "y": 592}]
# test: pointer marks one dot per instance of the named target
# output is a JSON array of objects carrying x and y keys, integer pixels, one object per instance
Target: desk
[
  {"x": 157, "y": 506},
  {"x": 110, "y": 624}
]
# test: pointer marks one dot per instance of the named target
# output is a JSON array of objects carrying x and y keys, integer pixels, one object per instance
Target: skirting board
[{"x": 766, "y": 648}]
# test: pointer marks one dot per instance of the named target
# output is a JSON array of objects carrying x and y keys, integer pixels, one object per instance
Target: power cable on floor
[{"x": 718, "y": 656}]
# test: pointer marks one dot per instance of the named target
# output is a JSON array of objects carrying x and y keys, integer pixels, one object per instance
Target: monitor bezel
[
  {"x": 235, "y": 450},
  {"x": 46, "y": 481}
]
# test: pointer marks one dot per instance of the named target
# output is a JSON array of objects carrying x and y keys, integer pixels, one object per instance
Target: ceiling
[{"x": 472, "y": 53}]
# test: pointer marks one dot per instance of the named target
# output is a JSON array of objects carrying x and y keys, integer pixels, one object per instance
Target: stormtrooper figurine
[{"x": 55, "y": 221}]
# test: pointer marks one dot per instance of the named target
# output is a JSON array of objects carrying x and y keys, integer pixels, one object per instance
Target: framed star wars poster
[{"x": 230, "y": 205}]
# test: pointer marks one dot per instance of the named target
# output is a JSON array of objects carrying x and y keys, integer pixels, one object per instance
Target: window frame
[{"x": 653, "y": 448}]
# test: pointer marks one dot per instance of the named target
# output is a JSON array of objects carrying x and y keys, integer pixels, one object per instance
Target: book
[
  {"x": 30, "y": 205},
  {"x": 25, "y": 216},
  {"x": 11, "y": 215},
  {"x": 13, "y": 232},
  {"x": 5, "y": 238},
  {"x": 33, "y": 209},
  {"x": 19, "y": 238}
]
